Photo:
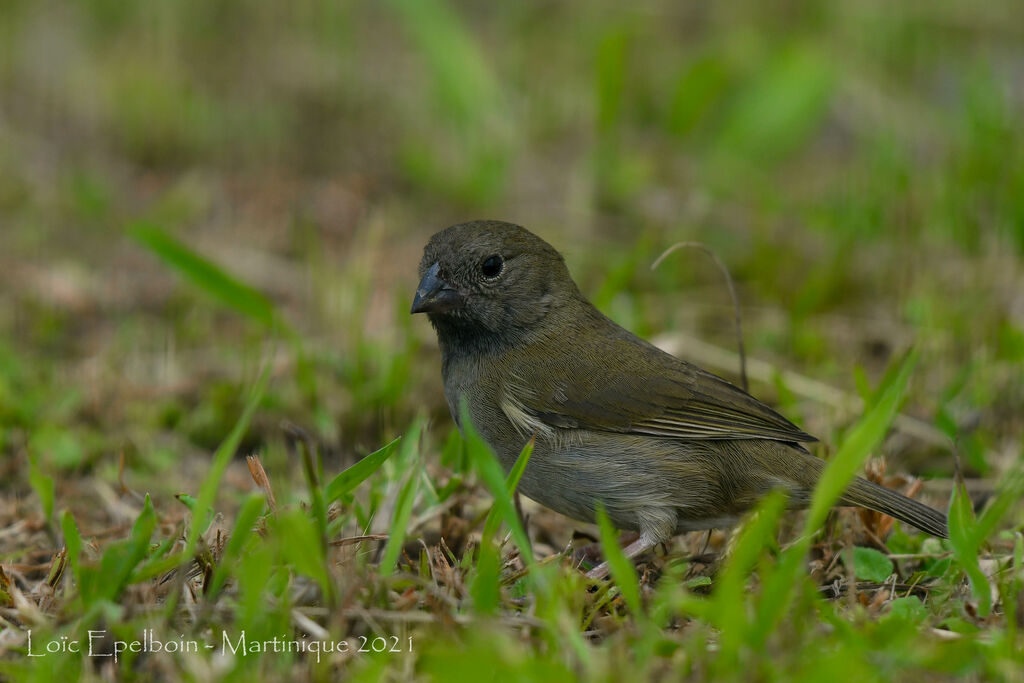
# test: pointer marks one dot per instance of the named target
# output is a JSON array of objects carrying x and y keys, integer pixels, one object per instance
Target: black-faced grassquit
[{"x": 665, "y": 446}]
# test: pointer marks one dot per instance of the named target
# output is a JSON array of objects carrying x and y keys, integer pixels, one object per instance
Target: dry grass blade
[
  {"x": 732, "y": 293},
  {"x": 352, "y": 540},
  {"x": 259, "y": 475}
]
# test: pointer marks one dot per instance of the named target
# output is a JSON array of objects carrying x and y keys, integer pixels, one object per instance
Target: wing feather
[{"x": 647, "y": 391}]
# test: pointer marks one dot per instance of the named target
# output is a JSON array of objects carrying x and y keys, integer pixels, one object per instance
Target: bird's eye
[{"x": 492, "y": 266}]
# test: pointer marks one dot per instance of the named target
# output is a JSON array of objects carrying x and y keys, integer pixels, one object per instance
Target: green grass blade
[
  {"x": 408, "y": 458},
  {"x": 858, "y": 445},
  {"x": 465, "y": 84},
  {"x": 44, "y": 487},
  {"x": 244, "y": 530},
  {"x": 1009, "y": 491},
  {"x": 311, "y": 469},
  {"x": 399, "y": 522},
  {"x": 776, "y": 594},
  {"x": 190, "y": 502},
  {"x": 486, "y": 464},
  {"x": 353, "y": 476},
  {"x": 729, "y": 596},
  {"x": 963, "y": 538},
  {"x": 221, "y": 458},
  {"x": 622, "y": 569},
  {"x": 490, "y": 471},
  {"x": 486, "y": 587},
  {"x": 779, "y": 583},
  {"x": 493, "y": 521},
  {"x": 120, "y": 559},
  {"x": 73, "y": 542},
  {"x": 157, "y": 564},
  {"x": 297, "y": 534},
  {"x": 780, "y": 108},
  {"x": 205, "y": 274}
]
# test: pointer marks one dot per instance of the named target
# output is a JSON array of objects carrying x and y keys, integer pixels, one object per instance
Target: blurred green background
[{"x": 858, "y": 167}]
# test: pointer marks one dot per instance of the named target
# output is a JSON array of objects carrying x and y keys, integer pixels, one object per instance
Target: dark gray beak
[{"x": 434, "y": 295}]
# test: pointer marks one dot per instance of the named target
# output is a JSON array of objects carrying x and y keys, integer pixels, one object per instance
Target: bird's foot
[{"x": 634, "y": 549}]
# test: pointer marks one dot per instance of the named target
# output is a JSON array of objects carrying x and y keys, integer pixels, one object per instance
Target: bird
[{"x": 662, "y": 445}]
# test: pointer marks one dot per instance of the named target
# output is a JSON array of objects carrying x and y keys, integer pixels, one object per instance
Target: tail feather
[{"x": 870, "y": 495}]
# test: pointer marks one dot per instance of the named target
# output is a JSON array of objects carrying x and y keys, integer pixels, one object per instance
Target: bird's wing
[{"x": 626, "y": 385}]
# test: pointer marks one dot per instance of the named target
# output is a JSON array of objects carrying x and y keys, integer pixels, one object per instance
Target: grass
[{"x": 211, "y": 219}]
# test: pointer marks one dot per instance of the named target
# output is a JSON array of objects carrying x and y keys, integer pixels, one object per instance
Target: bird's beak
[{"x": 434, "y": 295}]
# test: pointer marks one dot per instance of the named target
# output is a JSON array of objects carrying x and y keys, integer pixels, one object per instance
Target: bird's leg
[{"x": 637, "y": 547}]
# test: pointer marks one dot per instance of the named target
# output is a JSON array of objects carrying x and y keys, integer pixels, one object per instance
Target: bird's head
[{"x": 490, "y": 279}]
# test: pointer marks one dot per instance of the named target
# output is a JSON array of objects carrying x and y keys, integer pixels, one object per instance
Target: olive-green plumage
[{"x": 664, "y": 445}]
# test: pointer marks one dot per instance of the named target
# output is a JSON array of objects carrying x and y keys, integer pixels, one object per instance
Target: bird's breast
[{"x": 495, "y": 407}]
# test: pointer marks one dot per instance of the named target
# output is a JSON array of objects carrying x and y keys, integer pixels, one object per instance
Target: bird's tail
[{"x": 867, "y": 494}]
